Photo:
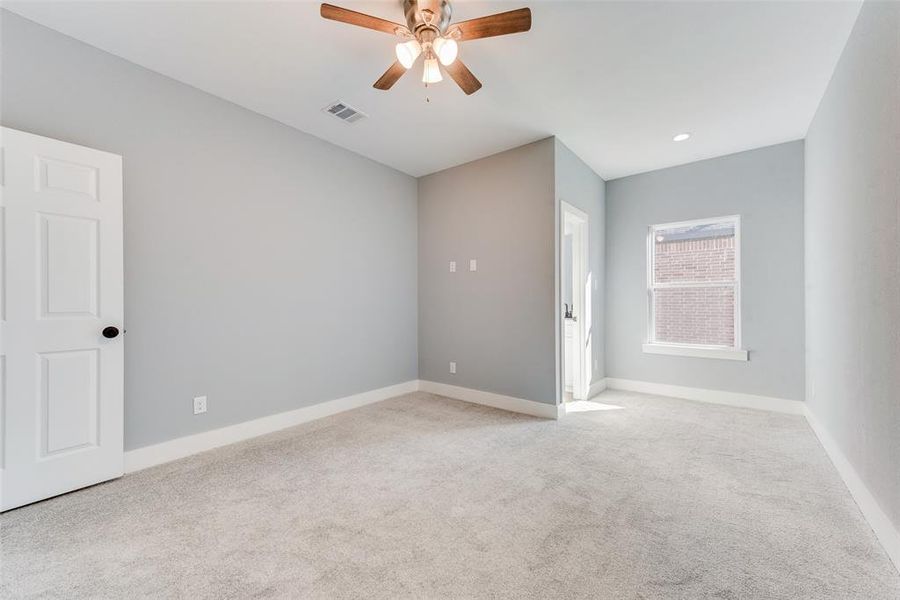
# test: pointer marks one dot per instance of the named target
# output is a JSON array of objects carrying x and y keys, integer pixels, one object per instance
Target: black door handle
[{"x": 110, "y": 332}]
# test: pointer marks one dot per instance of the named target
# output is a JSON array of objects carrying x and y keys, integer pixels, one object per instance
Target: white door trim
[{"x": 581, "y": 300}]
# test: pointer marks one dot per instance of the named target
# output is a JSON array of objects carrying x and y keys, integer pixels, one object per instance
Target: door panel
[
  {"x": 58, "y": 175},
  {"x": 69, "y": 401},
  {"x": 68, "y": 263},
  {"x": 61, "y": 385}
]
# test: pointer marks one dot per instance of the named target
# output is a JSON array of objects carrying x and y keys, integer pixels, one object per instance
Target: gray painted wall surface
[
  {"x": 853, "y": 255},
  {"x": 578, "y": 185},
  {"x": 264, "y": 267},
  {"x": 497, "y": 323},
  {"x": 765, "y": 187}
]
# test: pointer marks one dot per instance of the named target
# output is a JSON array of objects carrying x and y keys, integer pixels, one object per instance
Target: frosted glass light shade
[
  {"x": 446, "y": 50},
  {"x": 432, "y": 73},
  {"x": 408, "y": 52}
]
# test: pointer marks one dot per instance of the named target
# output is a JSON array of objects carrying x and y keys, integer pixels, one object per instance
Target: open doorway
[{"x": 574, "y": 302}]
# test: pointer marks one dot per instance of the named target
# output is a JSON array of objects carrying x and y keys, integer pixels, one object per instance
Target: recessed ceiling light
[{"x": 681, "y": 137}]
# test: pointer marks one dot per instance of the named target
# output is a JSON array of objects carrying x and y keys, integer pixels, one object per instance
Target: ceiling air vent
[{"x": 344, "y": 112}]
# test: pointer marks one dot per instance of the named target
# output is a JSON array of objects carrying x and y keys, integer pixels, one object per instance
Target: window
[{"x": 694, "y": 289}]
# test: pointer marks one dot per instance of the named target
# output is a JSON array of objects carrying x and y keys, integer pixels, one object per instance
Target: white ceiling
[{"x": 613, "y": 80}]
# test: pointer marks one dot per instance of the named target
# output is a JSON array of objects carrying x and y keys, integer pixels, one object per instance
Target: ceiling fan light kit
[
  {"x": 432, "y": 72},
  {"x": 446, "y": 50},
  {"x": 428, "y": 32},
  {"x": 408, "y": 52}
]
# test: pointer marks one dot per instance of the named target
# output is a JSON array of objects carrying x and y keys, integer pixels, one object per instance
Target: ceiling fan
[{"x": 428, "y": 32}]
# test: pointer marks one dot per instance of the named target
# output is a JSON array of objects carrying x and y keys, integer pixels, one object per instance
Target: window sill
[{"x": 696, "y": 351}]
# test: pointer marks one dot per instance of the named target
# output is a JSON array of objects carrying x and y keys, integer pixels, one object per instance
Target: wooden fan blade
[
  {"x": 463, "y": 77},
  {"x": 336, "y": 13},
  {"x": 513, "y": 21},
  {"x": 390, "y": 77}
]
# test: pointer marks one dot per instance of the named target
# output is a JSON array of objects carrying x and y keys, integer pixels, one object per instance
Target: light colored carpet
[{"x": 425, "y": 497}]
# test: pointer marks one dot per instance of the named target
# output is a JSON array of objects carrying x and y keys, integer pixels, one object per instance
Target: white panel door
[{"x": 61, "y": 317}]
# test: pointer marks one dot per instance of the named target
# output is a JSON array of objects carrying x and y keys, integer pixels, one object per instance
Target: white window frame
[{"x": 695, "y": 350}]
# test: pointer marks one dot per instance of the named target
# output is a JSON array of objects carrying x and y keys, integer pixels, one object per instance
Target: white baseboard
[
  {"x": 156, "y": 454},
  {"x": 884, "y": 529},
  {"x": 519, "y": 405},
  {"x": 149, "y": 456},
  {"x": 793, "y": 407},
  {"x": 597, "y": 387}
]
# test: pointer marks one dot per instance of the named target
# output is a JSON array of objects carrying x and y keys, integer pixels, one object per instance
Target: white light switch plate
[
  {"x": 199, "y": 405},
  {"x": 473, "y": 265},
  {"x": 453, "y": 266},
  {"x": 453, "y": 368}
]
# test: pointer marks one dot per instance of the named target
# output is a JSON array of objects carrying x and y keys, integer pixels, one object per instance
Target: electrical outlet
[
  {"x": 453, "y": 266},
  {"x": 453, "y": 368},
  {"x": 473, "y": 265},
  {"x": 199, "y": 405}
]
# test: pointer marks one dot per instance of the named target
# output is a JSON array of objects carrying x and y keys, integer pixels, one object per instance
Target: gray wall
[
  {"x": 765, "y": 187},
  {"x": 578, "y": 185},
  {"x": 853, "y": 255},
  {"x": 497, "y": 323},
  {"x": 264, "y": 267}
]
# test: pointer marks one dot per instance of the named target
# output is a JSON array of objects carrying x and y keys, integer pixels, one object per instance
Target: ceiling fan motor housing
[{"x": 422, "y": 15}]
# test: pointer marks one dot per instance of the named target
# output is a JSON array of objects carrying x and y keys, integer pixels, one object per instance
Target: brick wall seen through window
[{"x": 694, "y": 283}]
